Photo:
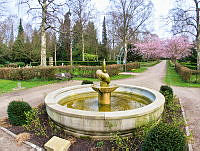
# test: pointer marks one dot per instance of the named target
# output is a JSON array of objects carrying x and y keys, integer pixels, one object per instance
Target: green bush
[
  {"x": 20, "y": 64},
  {"x": 167, "y": 92},
  {"x": 34, "y": 123},
  {"x": 16, "y": 112},
  {"x": 12, "y": 65},
  {"x": 164, "y": 137},
  {"x": 86, "y": 82}
]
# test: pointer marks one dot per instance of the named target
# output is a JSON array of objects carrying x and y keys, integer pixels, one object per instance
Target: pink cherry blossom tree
[
  {"x": 177, "y": 48},
  {"x": 173, "y": 48},
  {"x": 151, "y": 48}
]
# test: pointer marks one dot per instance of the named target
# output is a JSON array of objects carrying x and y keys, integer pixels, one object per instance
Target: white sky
[{"x": 161, "y": 8}]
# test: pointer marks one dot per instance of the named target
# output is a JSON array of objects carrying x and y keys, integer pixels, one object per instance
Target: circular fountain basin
[{"x": 101, "y": 124}]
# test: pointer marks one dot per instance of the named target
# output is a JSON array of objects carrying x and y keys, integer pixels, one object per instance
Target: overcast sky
[{"x": 161, "y": 8}]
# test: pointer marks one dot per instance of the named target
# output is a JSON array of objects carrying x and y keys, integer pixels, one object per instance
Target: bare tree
[
  {"x": 6, "y": 27},
  {"x": 186, "y": 20},
  {"x": 47, "y": 10},
  {"x": 3, "y": 4},
  {"x": 129, "y": 16},
  {"x": 82, "y": 13}
]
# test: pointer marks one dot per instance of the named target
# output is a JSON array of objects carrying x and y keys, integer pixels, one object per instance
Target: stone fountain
[{"x": 98, "y": 110}]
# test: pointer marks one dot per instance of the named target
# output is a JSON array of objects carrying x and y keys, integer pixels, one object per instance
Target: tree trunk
[
  {"x": 198, "y": 51},
  {"x": 83, "y": 48},
  {"x": 198, "y": 59},
  {"x": 125, "y": 55},
  {"x": 55, "y": 55},
  {"x": 71, "y": 61},
  {"x": 43, "y": 35}
]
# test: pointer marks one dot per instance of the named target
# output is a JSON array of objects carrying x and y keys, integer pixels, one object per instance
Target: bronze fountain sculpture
[{"x": 104, "y": 90}]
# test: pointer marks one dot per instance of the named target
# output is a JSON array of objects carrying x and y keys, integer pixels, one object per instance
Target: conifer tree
[
  {"x": 90, "y": 36},
  {"x": 18, "y": 51},
  {"x": 63, "y": 52},
  {"x": 103, "y": 48},
  {"x": 77, "y": 41},
  {"x": 104, "y": 33}
]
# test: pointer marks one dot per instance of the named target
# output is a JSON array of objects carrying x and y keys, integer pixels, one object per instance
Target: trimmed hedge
[
  {"x": 84, "y": 63},
  {"x": 134, "y": 65},
  {"x": 12, "y": 65},
  {"x": 27, "y": 73},
  {"x": 167, "y": 92},
  {"x": 16, "y": 112},
  {"x": 86, "y": 82},
  {"x": 185, "y": 72}
]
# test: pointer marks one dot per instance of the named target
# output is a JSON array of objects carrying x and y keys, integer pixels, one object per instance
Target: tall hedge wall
[
  {"x": 49, "y": 72},
  {"x": 185, "y": 72}
]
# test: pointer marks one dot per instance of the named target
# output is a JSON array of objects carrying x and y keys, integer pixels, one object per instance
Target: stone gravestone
[
  {"x": 57, "y": 144},
  {"x": 19, "y": 86},
  {"x": 50, "y": 61}
]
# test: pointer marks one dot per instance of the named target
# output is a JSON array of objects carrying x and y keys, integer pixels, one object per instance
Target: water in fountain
[
  {"x": 120, "y": 101},
  {"x": 102, "y": 100}
]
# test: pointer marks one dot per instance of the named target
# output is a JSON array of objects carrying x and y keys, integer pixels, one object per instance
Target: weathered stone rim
[{"x": 52, "y": 104}]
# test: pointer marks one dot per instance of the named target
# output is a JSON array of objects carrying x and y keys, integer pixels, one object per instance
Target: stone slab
[{"x": 57, "y": 144}]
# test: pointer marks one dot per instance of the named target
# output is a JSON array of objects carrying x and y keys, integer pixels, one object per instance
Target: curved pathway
[
  {"x": 152, "y": 78},
  {"x": 34, "y": 96},
  {"x": 189, "y": 97}
]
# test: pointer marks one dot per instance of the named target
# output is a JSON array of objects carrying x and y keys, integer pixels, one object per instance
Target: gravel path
[
  {"x": 152, "y": 78},
  {"x": 189, "y": 97},
  {"x": 8, "y": 143},
  {"x": 34, "y": 96}
]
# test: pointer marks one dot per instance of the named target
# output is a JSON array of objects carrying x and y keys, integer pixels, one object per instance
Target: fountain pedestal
[
  {"x": 104, "y": 93},
  {"x": 104, "y": 90}
]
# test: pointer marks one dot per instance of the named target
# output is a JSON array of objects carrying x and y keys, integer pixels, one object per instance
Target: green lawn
[
  {"x": 149, "y": 63},
  {"x": 144, "y": 66},
  {"x": 139, "y": 70},
  {"x": 8, "y": 85},
  {"x": 112, "y": 78},
  {"x": 173, "y": 78}
]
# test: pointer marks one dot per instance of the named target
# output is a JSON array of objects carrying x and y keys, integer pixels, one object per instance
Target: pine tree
[
  {"x": 20, "y": 31},
  {"x": 103, "y": 53},
  {"x": 18, "y": 51},
  {"x": 90, "y": 36},
  {"x": 36, "y": 45},
  {"x": 77, "y": 41},
  {"x": 63, "y": 52},
  {"x": 104, "y": 33}
]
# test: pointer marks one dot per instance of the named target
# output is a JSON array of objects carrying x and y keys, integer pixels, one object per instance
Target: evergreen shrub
[
  {"x": 86, "y": 82},
  {"x": 167, "y": 92},
  {"x": 164, "y": 137},
  {"x": 11, "y": 65},
  {"x": 20, "y": 64},
  {"x": 16, "y": 112}
]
